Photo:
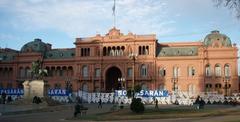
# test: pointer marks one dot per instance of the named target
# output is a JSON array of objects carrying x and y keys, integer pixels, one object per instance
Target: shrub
[{"x": 137, "y": 105}]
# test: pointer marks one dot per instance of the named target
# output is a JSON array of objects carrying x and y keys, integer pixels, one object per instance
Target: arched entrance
[{"x": 111, "y": 81}]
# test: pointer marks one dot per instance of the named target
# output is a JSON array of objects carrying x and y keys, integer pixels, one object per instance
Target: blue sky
[{"x": 59, "y": 22}]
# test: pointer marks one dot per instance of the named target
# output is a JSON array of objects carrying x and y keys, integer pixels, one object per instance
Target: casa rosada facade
[{"x": 117, "y": 61}]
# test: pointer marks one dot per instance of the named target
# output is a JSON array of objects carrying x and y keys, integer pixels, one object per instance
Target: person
[
  {"x": 100, "y": 103},
  {"x": 4, "y": 95},
  {"x": 201, "y": 103},
  {"x": 9, "y": 99},
  {"x": 156, "y": 103},
  {"x": 121, "y": 105},
  {"x": 34, "y": 99},
  {"x": 76, "y": 109}
]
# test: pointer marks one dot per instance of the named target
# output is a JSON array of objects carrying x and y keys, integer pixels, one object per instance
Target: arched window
[
  {"x": 147, "y": 50},
  {"x": 85, "y": 71},
  {"x": 217, "y": 70},
  {"x": 208, "y": 87},
  {"x": 139, "y": 50},
  {"x": 85, "y": 87},
  {"x": 28, "y": 70},
  {"x": 227, "y": 70},
  {"x": 162, "y": 72},
  {"x": 143, "y": 50},
  {"x": 97, "y": 72},
  {"x": 22, "y": 72},
  {"x": 176, "y": 72},
  {"x": 208, "y": 70},
  {"x": 191, "y": 71},
  {"x": 104, "y": 51},
  {"x": 143, "y": 70}
]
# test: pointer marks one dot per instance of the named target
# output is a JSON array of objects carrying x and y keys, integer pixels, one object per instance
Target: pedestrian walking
[
  {"x": 76, "y": 109},
  {"x": 156, "y": 104},
  {"x": 100, "y": 103},
  {"x": 4, "y": 95}
]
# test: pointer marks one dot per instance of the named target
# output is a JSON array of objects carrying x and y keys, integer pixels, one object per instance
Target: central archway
[{"x": 111, "y": 81}]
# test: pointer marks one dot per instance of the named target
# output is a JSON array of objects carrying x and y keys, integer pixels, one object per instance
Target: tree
[
  {"x": 37, "y": 70},
  {"x": 233, "y": 5}
]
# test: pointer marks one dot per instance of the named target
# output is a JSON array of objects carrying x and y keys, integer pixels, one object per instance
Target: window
[
  {"x": 28, "y": 72},
  {"x": 85, "y": 51},
  {"x": 227, "y": 70},
  {"x": 176, "y": 72},
  {"x": 85, "y": 71},
  {"x": 143, "y": 50},
  {"x": 218, "y": 70},
  {"x": 129, "y": 72},
  {"x": 208, "y": 87},
  {"x": 143, "y": 70},
  {"x": 97, "y": 72},
  {"x": 60, "y": 72},
  {"x": 85, "y": 87},
  {"x": 22, "y": 72},
  {"x": 162, "y": 72},
  {"x": 191, "y": 71},
  {"x": 208, "y": 70}
]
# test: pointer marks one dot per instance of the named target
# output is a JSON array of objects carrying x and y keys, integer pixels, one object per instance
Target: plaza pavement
[{"x": 35, "y": 113}]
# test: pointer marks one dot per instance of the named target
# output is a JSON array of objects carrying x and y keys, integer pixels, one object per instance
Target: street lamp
[
  {"x": 226, "y": 79},
  {"x": 133, "y": 56},
  {"x": 174, "y": 81},
  {"x": 122, "y": 80},
  {"x": 68, "y": 85}
]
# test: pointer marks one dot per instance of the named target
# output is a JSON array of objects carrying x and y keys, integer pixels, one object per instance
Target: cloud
[{"x": 84, "y": 18}]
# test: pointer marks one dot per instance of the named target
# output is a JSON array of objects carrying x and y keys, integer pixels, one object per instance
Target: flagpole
[{"x": 114, "y": 13}]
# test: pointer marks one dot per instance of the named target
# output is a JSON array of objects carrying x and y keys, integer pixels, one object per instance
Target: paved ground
[{"x": 66, "y": 111}]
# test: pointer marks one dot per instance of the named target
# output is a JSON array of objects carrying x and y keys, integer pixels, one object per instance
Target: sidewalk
[{"x": 7, "y": 109}]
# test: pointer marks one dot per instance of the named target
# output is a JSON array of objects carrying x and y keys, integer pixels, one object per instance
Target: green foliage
[{"x": 137, "y": 106}]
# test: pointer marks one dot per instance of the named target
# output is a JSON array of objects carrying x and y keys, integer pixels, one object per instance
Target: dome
[
  {"x": 35, "y": 46},
  {"x": 217, "y": 38}
]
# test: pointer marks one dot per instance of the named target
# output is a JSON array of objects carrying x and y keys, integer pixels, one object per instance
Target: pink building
[{"x": 118, "y": 61}]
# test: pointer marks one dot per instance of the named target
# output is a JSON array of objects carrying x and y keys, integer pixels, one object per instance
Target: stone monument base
[{"x": 34, "y": 88}]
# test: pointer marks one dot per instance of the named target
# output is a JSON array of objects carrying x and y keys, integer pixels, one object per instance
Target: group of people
[
  {"x": 200, "y": 102},
  {"x": 36, "y": 100},
  {"x": 79, "y": 108},
  {"x": 5, "y": 98}
]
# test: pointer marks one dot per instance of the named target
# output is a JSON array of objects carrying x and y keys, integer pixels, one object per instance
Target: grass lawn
[{"x": 161, "y": 113}]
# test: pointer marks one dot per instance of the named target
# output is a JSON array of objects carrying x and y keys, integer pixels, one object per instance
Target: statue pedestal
[{"x": 34, "y": 88}]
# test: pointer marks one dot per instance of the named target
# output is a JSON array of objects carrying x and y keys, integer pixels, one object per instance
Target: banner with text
[
  {"x": 12, "y": 91},
  {"x": 58, "y": 92},
  {"x": 145, "y": 93}
]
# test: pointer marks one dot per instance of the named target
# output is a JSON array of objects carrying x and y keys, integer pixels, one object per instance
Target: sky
[{"x": 59, "y": 22}]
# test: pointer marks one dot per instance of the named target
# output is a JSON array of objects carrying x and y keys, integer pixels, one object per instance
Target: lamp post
[
  {"x": 226, "y": 79},
  {"x": 174, "y": 81},
  {"x": 68, "y": 85},
  {"x": 133, "y": 56},
  {"x": 122, "y": 80}
]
